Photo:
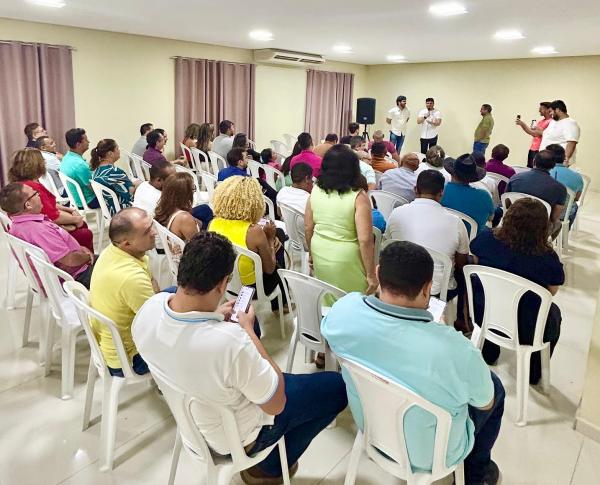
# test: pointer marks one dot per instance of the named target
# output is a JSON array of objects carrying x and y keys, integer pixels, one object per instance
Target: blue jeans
[
  {"x": 397, "y": 140},
  {"x": 313, "y": 401},
  {"x": 480, "y": 147},
  {"x": 487, "y": 427},
  {"x": 138, "y": 365},
  {"x": 204, "y": 214}
]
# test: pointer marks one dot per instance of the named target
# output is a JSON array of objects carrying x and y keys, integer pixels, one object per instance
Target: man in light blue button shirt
[{"x": 395, "y": 336}]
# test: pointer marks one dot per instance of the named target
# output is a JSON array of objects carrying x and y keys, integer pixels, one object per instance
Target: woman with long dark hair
[
  {"x": 174, "y": 209},
  {"x": 240, "y": 140}
]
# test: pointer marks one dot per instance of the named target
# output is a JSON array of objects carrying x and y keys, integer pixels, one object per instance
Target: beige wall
[
  {"x": 122, "y": 80},
  {"x": 511, "y": 86}
]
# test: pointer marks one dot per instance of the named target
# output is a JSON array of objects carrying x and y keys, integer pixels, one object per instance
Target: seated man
[
  {"x": 402, "y": 180},
  {"x": 148, "y": 193},
  {"x": 378, "y": 160},
  {"x": 33, "y": 131},
  {"x": 379, "y": 137},
  {"x": 155, "y": 141},
  {"x": 566, "y": 176},
  {"x": 395, "y": 335},
  {"x": 73, "y": 165},
  {"x": 139, "y": 147},
  {"x": 354, "y": 130},
  {"x": 297, "y": 195},
  {"x": 496, "y": 165},
  {"x": 539, "y": 183},
  {"x": 358, "y": 145},
  {"x": 322, "y": 148},
  {"x": 190, "y": 334},
  {"x": 122, "y": 282},
  {"x": 47, "y": 146},
  {"x": 223, "y": 143},
  {"x": 24, "y": 207}
]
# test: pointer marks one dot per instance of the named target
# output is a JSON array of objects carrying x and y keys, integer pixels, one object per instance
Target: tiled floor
[{"x": 41, "y": 441}]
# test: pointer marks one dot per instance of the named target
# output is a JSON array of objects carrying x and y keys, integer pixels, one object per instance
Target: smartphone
[
  {"x": 242, "y": 302},
  {"x": 533, "y": 124},
  {"x": 518, "y": 117}
]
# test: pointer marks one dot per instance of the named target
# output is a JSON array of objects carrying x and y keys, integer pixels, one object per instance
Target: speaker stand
[{"x": 365, "y": 133}]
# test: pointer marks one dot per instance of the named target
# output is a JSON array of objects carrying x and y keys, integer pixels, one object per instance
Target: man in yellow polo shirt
[{"x": 121, "y": 284}]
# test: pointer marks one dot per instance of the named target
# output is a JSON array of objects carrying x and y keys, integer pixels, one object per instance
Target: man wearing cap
[{"x": 460, "y": 196}]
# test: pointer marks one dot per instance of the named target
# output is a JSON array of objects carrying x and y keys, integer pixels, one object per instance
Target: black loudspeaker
[{"x": 365, "y": 111}]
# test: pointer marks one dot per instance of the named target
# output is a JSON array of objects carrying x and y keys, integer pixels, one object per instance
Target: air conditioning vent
[{"x": 290, "y": 58}]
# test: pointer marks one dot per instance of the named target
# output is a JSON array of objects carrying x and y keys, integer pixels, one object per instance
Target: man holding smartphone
[
  {"x": 190, "y": 337},
  {"x": 536, "y": 130},
  {"x": 430, "y": 119}
]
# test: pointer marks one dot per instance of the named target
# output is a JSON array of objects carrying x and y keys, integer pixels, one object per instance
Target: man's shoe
[{"x": 254, "y": 476}]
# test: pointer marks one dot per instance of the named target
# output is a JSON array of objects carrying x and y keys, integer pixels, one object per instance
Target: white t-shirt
[
  {"x": 426, "y": 222},
  {"x": 367, "y": 172},
  {"x": 51, "y": 160},
  {"x": 210, "y": 359},
  {"x": 293, "y": 197},
  {"x": 146, "y": 197},
  {"x": 429, "y": 131},
  {"x": 399, "y": 119},
  {"x": 560, "y": 132},
  {"x": 425, "y": 166},
  {"x": 222, "y": 144}
]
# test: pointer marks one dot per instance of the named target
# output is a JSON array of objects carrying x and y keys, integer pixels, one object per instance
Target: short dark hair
[
  {"x": 74, "y": 136},
  {"x": 240, "y": 140},
  {"x": 488, "y": 107},
  {"x": 405, "y": 268},
  {"x": 234, "y": 156},
  {"x": 558, "y": 153},
  {"x": 224, "y": 126},
  {"x": 400, "y": 98},
  {"x": 266, "y": 155},
  {"x": 145, "y": 128},
  {"x": 207, "y": 259},
  {"x": 378, "y": 148},
  {"x": 356, "y": 141},
  {"x": 544, "y": 159},
  {"x": 30, "y": 128},
  {"x": 39, "y": 143},
  {"x": 300, "y": 171},
  {"x": 331, "y": 137},
  {"x": 153, "y": 137},
  {"x": 352, "y": 127},
  {"x": 500, "y": 152},
  {"x": 305, "y": 140},
  {"x": 12, "y": 198},
  {"x": 429, "y": 99},
  {"x": 340, "y": 170},
  {"x": 159, "y": 169},
  {"x": 546, "y": 104},
  {"x": 430, "y": 182},
  {"x": 559, "y": 104}
]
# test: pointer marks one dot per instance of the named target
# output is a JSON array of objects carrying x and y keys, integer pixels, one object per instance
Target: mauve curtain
[
  {"x": 328, "y": 103},
  {"x": 36, "y": 84},
  {"x": 209, "y": 91}
]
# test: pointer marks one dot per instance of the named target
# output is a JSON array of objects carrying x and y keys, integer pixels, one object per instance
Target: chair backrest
[
  {"x": 4, "y": 221},
  {"x": 270, "y": 212},
  {"x": 519, "y": 168},
  {"x": 179, "y": 168},
  {"x": 132, "y": 166},
  {"x": 102, "y": 192},
  {"x": 294, "y": 222},
  {"x": 21, "y": 250},
  {"x": 210, "y": 182},
  {"x": 236, "y": 282},
  {"x": 271, "y": 173},
  {"x": 80, "y": 297},
  {"x": 216, "y": 162},
  {"x": 186, "y": 152},
  {"x": 172, "y": 245},
  {"x": 503, "y": 291},
  {"x": 52, "y": 182},
  {"x": 586, "y": 185},
  {"x": 290, "y": 141},
  {"x": 142, "y": 168},
  {"x": 569, "y": 205},
  {"x": 384, "y": 404},
  {"x": 199, "y": 164},
  {"x": 470, "y": 223},
  {"x": 72, "y": 187},
  {"x": 280, "y": 148},
  {"x": 509, "y": 197},
  {"x": 497, "y": 177},
  {"x": 386, "y": 201},
  {"x": 308, "y": 294},
  {"x": 253, "y": 167}
]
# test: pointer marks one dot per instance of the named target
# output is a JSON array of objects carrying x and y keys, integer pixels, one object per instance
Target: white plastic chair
[
  {"x": 199, "y": 195},
  {"x": 503, "y": 291},
  {"x": 307, "y": 293},
  {"x": 51, "y": 181},
  {"x": 131, "y": 163},
  {"x": 101, "y": 192},
  {"x": 186, "y": 153},
  {"x": 210, "y": 182},
  {"x": 386, "y": 201},
  {"x": 498, "y": 178},
  {"x": 271, "y": 173},
  {"x": 586, "y": 185},
  {"x": 440, "y": 261},
  {"x": 290, "y": 141},
  {"x": 197, "y": 163},
  {"x": 11, "y": 266},
  {"x": 111, "y": 385},
  {"x": 236, "y": 283},
  {"x": 294, "y": 222},
  {"x": 471, "y": 225},
  {"x": 384, "y": 404},
  {"x": 280, "y": 148},
  {"x": 64, "y": 315},
  {"x": 173, "y": 247},
  {"x": 142, "y": 167},
  {"x": 509, "y": 197},
  {"x": 216, "y": 163},
  {"x": 420, "y": 156},
  {"x": 563, "y": 238},
  {"x": 520, "y": 168},
  {"x": 270, "y": 212},
  {"x": 219, "y": 468}
]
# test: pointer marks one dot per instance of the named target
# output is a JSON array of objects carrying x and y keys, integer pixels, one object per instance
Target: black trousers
[
  {"x": 427, "y": 143},
  {"x": 530, "y": 156}
]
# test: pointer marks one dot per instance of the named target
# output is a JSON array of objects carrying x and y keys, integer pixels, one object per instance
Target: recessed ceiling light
[
  {"x": 343, "y": 48},
  {"x": 262, "y": 35},
  {"x": 510, "y": 34},
  {"x": 48, "y": 3},
  {"x": 447, "y": 9},
  {"x": 396, "y": 58},
  {"x": 544, "y": 50}
]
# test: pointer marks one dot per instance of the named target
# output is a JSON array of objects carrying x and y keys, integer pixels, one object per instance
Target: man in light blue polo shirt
[
  {"x": 73, "y": 165},
  {"x": 395, "y": 336},
  {"x": 566, "y": 176}
]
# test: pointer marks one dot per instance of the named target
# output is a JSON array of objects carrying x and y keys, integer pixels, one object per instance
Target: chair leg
[
  {"x": 89, "y": 394},
  {"x": 545, "y": 357},
  {"x": 284, "y": 462},
  {"x": 68, "y": 344},
  {"x": 281, "y": 318},
  {"x": 523, "y": 362},
  {"x": 45, "y": 318},
  {"x": 175, "y": 457},
  {"x": 27, "y": 324},
  {"x": 355, "y": 455},
  {"x": 11, "y": 284},
  {"x": 292, "y": 351},
  {"x": 108, "y": 432},
  {"x": 565, "y": 236},
  {"x": 330, "y": 361},
  {"x": 459, "y": 474},
  {"x": 49, "y": 347}
]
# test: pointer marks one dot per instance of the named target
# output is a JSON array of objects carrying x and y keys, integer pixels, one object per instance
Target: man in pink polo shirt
[
  {"x": 307, "y": 155},
  {"x": 24, "y": 207},
  {"x": 536, "y": 130}
]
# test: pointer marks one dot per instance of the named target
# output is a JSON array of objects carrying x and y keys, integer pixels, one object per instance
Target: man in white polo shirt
[
  {"x": 189, "y": 336},
  {"x": 562, "y": 130},
  {"x": 148, "y": 193},
  {"x": 398, "y": 117},
  {"x": 430, "y": 119}
]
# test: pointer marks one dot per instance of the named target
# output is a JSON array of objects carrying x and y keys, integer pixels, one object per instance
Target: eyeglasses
[{"x": 29, "y": 198}]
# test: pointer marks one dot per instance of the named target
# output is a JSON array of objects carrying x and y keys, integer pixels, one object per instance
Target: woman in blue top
[{"x": 102, "y": 163}]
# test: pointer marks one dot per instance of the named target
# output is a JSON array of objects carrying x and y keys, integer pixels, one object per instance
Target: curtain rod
[
  {"x": 201, "y": 59},
  {"x": 35, "y": 43}
]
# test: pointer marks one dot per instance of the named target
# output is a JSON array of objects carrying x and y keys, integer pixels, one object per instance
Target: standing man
[
  {"x": 484, "y": 129},
  {"x": 398, "y": 119},
  {"x": 536, "y": 130},
  {"x": 378, "y": 137},
  {"x": 430, "y": 119},
  {"x": 562, "y": 130}
]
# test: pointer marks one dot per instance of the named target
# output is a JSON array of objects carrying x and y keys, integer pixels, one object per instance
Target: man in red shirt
[
  {"x": 536, "y": 130},
  {"x": 378, "y": 136}
]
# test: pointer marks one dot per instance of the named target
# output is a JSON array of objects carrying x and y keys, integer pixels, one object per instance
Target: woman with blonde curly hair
[
  {"x": 239, "y": 206},
  {"x": 521, "y": 246},
  {"x": 28, "y": 167}
]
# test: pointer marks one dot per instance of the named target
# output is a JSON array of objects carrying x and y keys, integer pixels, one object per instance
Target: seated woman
[
  {"x": 434, "y": 160},
  {"x": 102, "y": 162},
  {"x": 27, "y": 167},
  {"x": 241, "y": 141},
  {"x": 190, "y": 139},
  {"x": 206, "y": 135},
  {"x": 239, "y": 206},
  {"x": 520, "y": 246}
]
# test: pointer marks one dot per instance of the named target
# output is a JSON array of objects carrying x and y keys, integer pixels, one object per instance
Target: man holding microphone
[{"x": 429, "y": 119}]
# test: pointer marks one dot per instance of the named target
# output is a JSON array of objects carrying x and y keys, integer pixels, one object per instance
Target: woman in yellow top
[{"x": 238, "y": 207}]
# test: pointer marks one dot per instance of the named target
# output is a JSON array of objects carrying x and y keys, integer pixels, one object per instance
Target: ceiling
[{"x": 373, "y": 30}]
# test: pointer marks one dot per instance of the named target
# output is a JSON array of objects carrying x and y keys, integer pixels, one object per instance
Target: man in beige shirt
[{"x": 330, "y": 140}]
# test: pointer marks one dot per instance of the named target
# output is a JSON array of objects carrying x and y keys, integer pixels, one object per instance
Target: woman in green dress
[{"x": 339, "y": 230}]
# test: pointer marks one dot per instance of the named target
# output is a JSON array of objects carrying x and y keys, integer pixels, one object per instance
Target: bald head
[
  {"x": 132, "y": 230},
  {"x": 122, "y": 224},
  {"x": 378, "y": 136},
  {"x": 410, "y": 161}
]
